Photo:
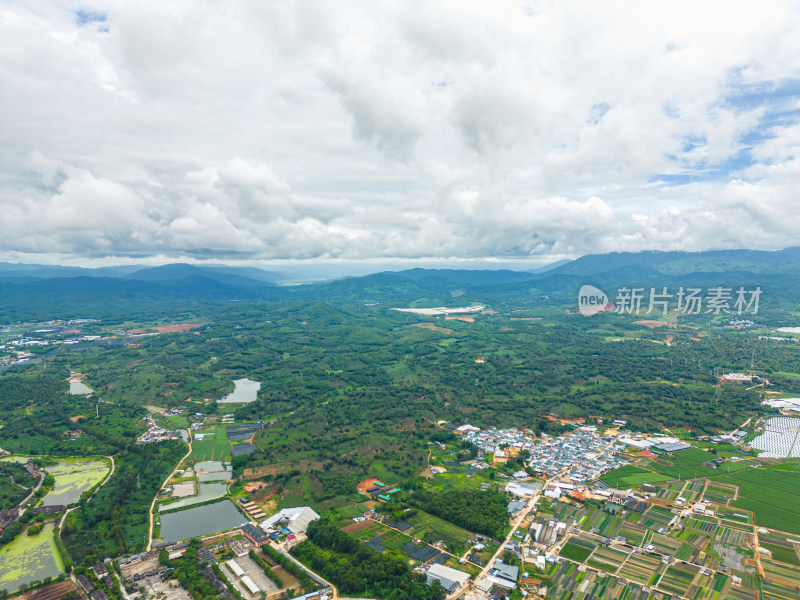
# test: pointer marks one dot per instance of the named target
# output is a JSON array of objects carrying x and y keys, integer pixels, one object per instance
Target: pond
[
  {"x": 29, "y": 558},
  {"x": 73, "y": 477},
  {"x": 244, "y": 392},
  {"x": 208, "y": 491},
  {"x": 77, "y": 387},
  {"x": 200, "y": 521}
]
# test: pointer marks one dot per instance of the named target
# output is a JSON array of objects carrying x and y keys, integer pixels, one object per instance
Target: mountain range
[{"x": 30, "y": 291}]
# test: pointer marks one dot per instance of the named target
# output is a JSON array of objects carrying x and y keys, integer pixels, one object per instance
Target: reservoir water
[
  {"x": 244, "y": 391},
  {"x": 78, "y": 387}
]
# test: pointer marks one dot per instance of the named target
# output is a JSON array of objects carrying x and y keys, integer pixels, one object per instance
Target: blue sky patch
[{"x": 87, "y": 17}]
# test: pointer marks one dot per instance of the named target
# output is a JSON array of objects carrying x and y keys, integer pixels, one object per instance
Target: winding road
[
  {"x": 153, "y": 503},
  {"x": 110, "y": 473}
]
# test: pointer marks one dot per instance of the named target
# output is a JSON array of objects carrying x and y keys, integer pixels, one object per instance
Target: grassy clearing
[{"x": 433, "y": 529}]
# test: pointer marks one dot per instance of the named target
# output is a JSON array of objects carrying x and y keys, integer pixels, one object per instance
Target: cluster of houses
[
  {"x": 102, "y": 574},
  {"x": 155, "y": 433},
  {"x": 738, "y": 378},
  {"x": 501, "y": 575},
  {"x": 503, "y": 443},
  {"x": 252, "y": 509},
  {"x": 32, "y": 468},
  {"x": 580, "y": 455},
  {"x": 381, "y": 491},
  {"x": 18, "y": 355}
]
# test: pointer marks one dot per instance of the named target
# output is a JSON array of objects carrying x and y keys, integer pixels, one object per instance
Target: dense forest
[
  {"x": 475, "y": 510},
  {"x": 15, "y": 484},
  {"x": 356, "y": 569}
]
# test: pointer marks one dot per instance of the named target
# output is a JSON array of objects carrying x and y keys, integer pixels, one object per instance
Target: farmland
[
  {"x": 577, "y": 550},
  {"x": 770, "y": 494},
  {"x": 213, "y": 446}
]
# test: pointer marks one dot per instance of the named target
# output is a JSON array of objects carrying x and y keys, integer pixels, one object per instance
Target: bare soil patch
[
  {"x": 650, "y": 324},
  {"x": 358, "y": 526},
  {"x": 51, "y": 592},
  {"x": 174, "y": 328},
  {"x": 433, "y": 327},
  {"x": 459, "y": 318},
  {"x": 367, "y": 483},
  {"x": 254, "y": 485}
]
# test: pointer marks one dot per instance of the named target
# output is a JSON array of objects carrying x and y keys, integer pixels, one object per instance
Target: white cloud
[{"x": 396, "y": 130}]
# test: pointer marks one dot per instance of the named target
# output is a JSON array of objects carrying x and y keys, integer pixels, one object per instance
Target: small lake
[
  {"x": 244, "y": 392},
  {"x": 29, "y": 558},
  {"x": 200, "y": 521},
  {"x": 78, "y": 387}
]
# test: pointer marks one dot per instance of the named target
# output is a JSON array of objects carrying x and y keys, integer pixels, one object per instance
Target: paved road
[
  {"x": 305, "y": 568},
  {"x": 522, "y": 515}
]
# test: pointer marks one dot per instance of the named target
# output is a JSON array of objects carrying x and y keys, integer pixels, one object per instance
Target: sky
[{"x": 433, "y": 131}]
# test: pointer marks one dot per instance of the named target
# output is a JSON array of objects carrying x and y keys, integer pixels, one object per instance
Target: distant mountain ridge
[{"x": 46, "y": 289}]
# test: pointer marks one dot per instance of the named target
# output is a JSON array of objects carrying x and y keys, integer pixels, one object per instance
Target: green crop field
[
  {"x": 630, "y": 475},
  {"x": 784, "y": 554},
  {"x": 577, "y": 552},
  {"x": 213, "y": 446},
  {"x": 771, "y": 495}
]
